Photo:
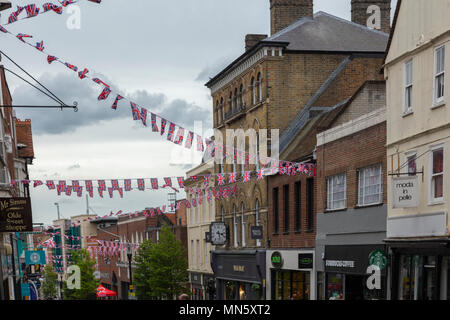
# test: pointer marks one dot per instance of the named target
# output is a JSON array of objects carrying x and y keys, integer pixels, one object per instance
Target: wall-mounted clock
[{"x": 218, "y": 232}]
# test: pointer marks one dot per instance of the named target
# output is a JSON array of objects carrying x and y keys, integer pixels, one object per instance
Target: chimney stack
[
  {"x": 375, "y": 14},
  {"x": 285, "y": 12},
  {"x": 252, "y": 39}
]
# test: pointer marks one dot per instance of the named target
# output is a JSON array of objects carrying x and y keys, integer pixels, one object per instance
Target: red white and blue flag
[
  {"x": 168, "y": 182},
  {"x": 180, "y": 136},
  {"x": 127, "y": 184},
  {"x": 40, "y": 46},
  {"x": 20, "y": 36},
  {"x": 154, "y": 125},
  {"x": 50, "y": 6},
  {"x": 101, "y": 185},
  {"x": 71, "y": 67},
  {"x": 65, "y": 3},
  {"x": 105, "y": 93},
  {"x": 154, "y": 182},
  {"x": 31, "y": 10},
  {"x": 89, "y": 188},
  {"x": 246, "y": 176},
  {"x": 221, "y": 179},
  {"x": 13, "y": 17},
  {"x": 116, "y": 101},
  {"x": 135, "y": 111},
  {"x": 50, "y": 184},
  {"x": 259, "y": 174},
  {"x": 115, "y": 184},
  {"x": 3, "y": 30},
  {"x": 98, "y": 81},
  {"x": 206, "y": 179},
  {"x": 144, "y": 116},
  {"x": 50, "y": 59},
  {"x": 232, "y": 177},
  {"x": 181, "y": 182},
  {"x": 163, "y": 125},
  {"x": 141, "y": 184},
  {"x": 189, "y": 140},
  {"x": 37, "y": 183},
  {"x": 100, "y": 192},
  {"x": 79, "y": 192},
  {"x": 82, "y": 74},
  {"x": 199, "y": 143},
  {"x": 170, "y": 134}
]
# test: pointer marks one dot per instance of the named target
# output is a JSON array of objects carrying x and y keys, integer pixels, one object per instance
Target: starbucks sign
[
  {"x": 277, "y": 260},
  {"x": 378, "y": 258}
]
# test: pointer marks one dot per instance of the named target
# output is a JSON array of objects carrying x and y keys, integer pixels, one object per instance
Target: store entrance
[{"x": 354, "y": 287}]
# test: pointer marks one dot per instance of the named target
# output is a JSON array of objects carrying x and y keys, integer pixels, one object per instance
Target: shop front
[
  {"x": 196, "y": 286},
  {"x": 348, "y": 276},
  {"x": 420, "y": 269},
  {"x": 240, "y": 275},
  {"x": 290, "y": 275}
]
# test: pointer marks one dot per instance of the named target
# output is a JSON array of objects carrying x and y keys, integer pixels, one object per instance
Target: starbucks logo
[{"x": 378, "y": 258}]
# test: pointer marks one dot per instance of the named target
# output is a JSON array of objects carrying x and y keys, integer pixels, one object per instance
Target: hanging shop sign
[
  {"x": 405, "y": 192},
  {"x": 305, "y": 260},
  {"x": 15, "y": 215},
  {"x": 257, "y": 232},
  {"x": 378, "y": 258},
  {"x": 34, "y": 257}
]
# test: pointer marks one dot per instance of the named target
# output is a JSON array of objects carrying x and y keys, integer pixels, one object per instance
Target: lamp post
[
  {"x": 130, "y": 257},
  {"x": 57, "y": 209}
]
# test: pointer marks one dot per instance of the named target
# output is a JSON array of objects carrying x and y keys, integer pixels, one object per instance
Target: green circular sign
[
  {"x": 378, "y": 258},
  {"x": 277, "y": 260}
]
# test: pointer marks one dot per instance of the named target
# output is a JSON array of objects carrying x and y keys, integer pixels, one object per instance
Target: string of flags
[
  {"x": 174, "y": 133},
  {"x": 33, "y": 10}
]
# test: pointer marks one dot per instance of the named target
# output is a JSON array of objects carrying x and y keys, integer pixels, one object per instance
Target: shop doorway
[{"x": 354, "y": 287}]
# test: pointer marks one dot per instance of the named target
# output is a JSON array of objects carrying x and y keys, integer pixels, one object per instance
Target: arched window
[
  {"x": 230, "y": 101},
  {"x": 222, "y": 106},
  {"x": 236, "y": 101},
  {"x": 257, "y": 219},
  {"x": 218, "y": 113},
  {"x": 252, "y": 85},
  {"x": 241, "y": 95},
  {"x": 243, "y": 233},
  {"x": 259, "y": 86},
  {"x": 235, "y": 235}
]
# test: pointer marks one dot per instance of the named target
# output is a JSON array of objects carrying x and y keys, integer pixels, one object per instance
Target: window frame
[
  {"x": 432, "y": 200},
  {"x": 438, "y": 100},
  {"x": 330, "y": 197},
  {"x": 243, "y": 228},
  {"x": 408, "y": 85},
  {"x": 380, "y": 201}
]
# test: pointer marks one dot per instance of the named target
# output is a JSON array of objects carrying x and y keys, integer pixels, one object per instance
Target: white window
[
  {"x": 243, "y": 235},
  {"x": 439, "y": 74},
  {"x": 437, "y": 174},
  {"x": 337, "y": 192},
  {"x": 408, "y": 86},
  {"x": 370, "y": 184}
]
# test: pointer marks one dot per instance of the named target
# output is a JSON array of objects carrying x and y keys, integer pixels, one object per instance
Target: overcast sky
[{"x": 160, "y": 54}]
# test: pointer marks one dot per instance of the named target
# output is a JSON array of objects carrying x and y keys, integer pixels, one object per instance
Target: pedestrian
[{"x": 184, "y": 296}]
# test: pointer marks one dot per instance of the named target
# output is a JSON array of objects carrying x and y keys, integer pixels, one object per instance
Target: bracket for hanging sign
[
  {"x": 74, "y": 107},
  {"x": 408, "y": 173}
]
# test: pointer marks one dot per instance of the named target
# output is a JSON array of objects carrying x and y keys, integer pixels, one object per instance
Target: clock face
[{"x": 218, "y": 233}]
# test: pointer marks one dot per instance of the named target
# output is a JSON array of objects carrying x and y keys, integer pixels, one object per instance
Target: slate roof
[{"x": 325, "y": 32}]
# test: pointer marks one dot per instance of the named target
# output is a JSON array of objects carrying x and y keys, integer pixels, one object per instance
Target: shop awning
[{"x": 103, "y": 292}]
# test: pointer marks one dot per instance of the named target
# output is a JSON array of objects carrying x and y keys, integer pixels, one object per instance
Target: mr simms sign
[
  {"x": 405, "y": 192},
  {"x": 15, "y": 215}
]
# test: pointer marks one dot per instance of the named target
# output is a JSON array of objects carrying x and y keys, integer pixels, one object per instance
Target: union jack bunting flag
[
  {"x": 221, "y": 179},
  {"x": 116, "y": 101},
  {"x": 50, "y": 184},
  {"x": 180, "y": 136},
  {"x": 141, "y": 184},
  {"x": 20, "y": 36},
  {"x": 65, "y": 3},
  {"x": 127, "y": 185},
  {"x": 82, "y": 74},
  {"x": 232, "y": 177},
  {"x": 283, "y": 168},
  {"x": 246, "y": 176},
  {"x": 3, "y": 30},
  {"x": 259, "y": 174},
  {"x": 144, "y": 116},
  {"x": 100, "y": 192},
  {"x": 154, "y": 125},
  {"x": 105, "y": 93},
  {"x": 154, "y": 182},
  {"x": 50, "y": 6},
  {"x": 120, "y": 192},
  {"x": 102, "y": 185},
  {"x": 13, "y": 17},
  {"x": 98, "y": 81},
  {"x": 135, "y": 111},
  {"x": 110, "y": 191},
  {"x": 194, "y": 202},
  {"x": 50, "y": 59},
  {"x": 68, "y": 190},
  {"x": 31, "y": 10},
  {"x": 40, "y": 46},
  {"x": 193, "y": 178},
  {"x": 75, "y": 185},
  {"x": 89, "y": 188},
  {"x": 187, "y": 203},
  {"x": 206, "y": 179},
  {"x": 115, "y": 184},
  {"x": 170, "y": 133},
  {"x": 181, "y": 182},
  {"x": 199, "y": 143},
  {"x": 168, "y": 182},
  {"x": 79, "y": 192},
  {"x": 189, "y": 140},
  {"x": 71, "y": 67},
  {"x": 37, "y": 183},
  {"x": 61, "y": 187},
  {"x": 163, "y": 125}
]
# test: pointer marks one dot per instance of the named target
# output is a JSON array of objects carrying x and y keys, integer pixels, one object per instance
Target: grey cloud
[
  {"x": 212, "y": 70},
  {"x": 74, "y": 167},
  {"x": 69, "y": 88}
]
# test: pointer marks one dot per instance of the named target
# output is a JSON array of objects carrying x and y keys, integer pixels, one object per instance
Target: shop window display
[
  {"x": 335, "y": 286},
  {"x": 290, "y": 285}
]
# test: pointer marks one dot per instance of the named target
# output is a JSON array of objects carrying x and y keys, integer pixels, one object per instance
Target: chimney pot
[{"x": 285, "y": 12}]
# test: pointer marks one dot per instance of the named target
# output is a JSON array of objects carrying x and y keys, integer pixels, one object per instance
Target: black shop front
[
  {"x": 240, "y": 275},
  {"x": 347, "y": 272}
]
